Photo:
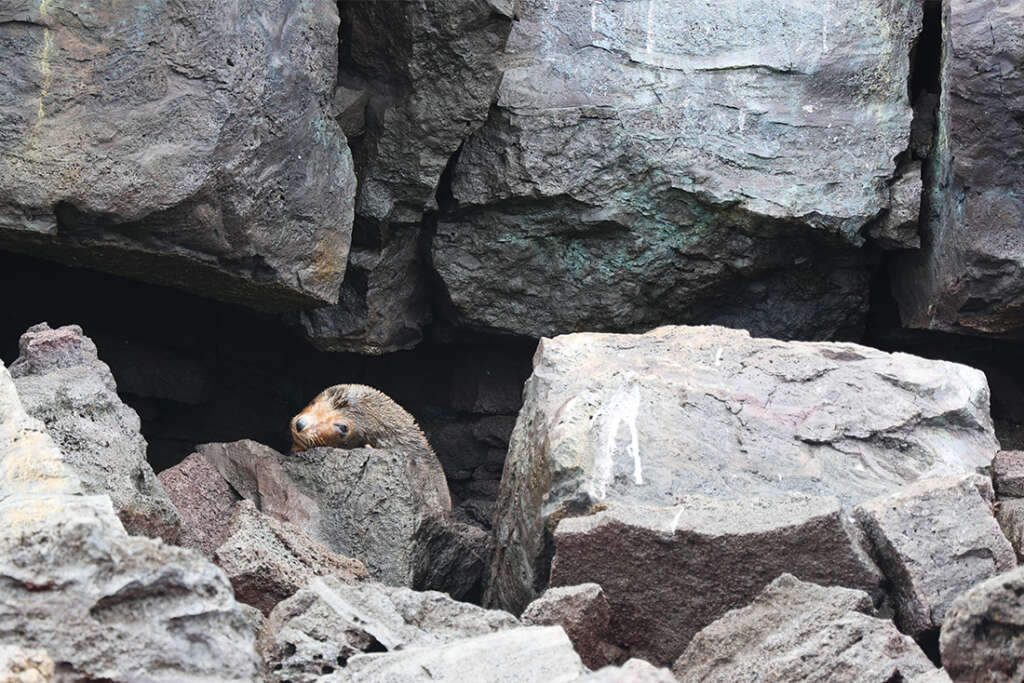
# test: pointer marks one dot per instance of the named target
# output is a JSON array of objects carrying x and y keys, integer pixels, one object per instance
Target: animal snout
[{"x": 301, "y": 423}]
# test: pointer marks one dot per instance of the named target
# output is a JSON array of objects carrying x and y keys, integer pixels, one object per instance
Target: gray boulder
[
  {"x": 62, "y": 382},
  {"x": 204, "y": 501},
  {"x": 584, "y": 613},
  {"x": 646, "y": 419},
  {"x": 180, "y": 144},
  {"x": 934, "y": 539},
  {"x": 680, "y": 161},
  {"x": 323, "y": 625},
  {"x": 968, "y": 276},
  {"x": 670, "y": 571},
  {"x": 375, "y": 505},
  {"x": 267, "y": 560},
  {"x": 532, "y": 653},
  {"x": 105, "y": 605},
  {"x": 899, "y": 226},
  {"x": 1008, "y": 474},
  {"x": 982, "y": 636},
  {"x": 797, "y": 631}
]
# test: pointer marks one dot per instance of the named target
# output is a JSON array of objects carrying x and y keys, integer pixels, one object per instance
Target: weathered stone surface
[
  {"x": 103, "y": 604},
  {"x": 653, "y": 562},
  {"x": 414, "y": 93},
  {"x": 1010, "y": 515},
  {"x": 62, "y": 382},
  {"x": 1008, "y": 474},
  {"x": 585, "y": 615},
  {"x": 18, "y": 665},
  {"x": 179, "y": 144},
  {"x": 898, "y": 228},
  {"x": 204, "y": 501},
  {"x": 968, "y": 276},
  {"x": 797, "y": 631},
  {"x": 458, "y": 556},
  {"x": 267, "y": 560},
  {"x": 384, "y": 301},
  {"x": 934, "y": 539},
  {"x": 633, "y": 671},
  {"x": 645, "y": 419},
  {"x": 677, "y": 161},
  {"x": 533, "y": 653},
  {"x": 319, "y": 628},
  {"x": 375, "y": 505},
  {"x": 431, "y": 78},
  {"x": 982, "y": 636}
]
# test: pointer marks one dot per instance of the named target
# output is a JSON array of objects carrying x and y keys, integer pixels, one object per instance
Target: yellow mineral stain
[{"x": 46, "y": 71}]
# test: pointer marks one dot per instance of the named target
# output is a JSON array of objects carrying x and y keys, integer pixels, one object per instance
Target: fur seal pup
[{"x": 357, "y": 416}]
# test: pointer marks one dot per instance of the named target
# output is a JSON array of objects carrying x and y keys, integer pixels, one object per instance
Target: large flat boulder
[
  {"x": 934, "y": 539},
  {"x": 982, "y": 636},
  {"x": 647, "y": 419},
  {"x": 669, "y": 572},
  {"x": 101, "y": 603},
  {"x": 62, "y": 382},
  {"x": 180, "y": 144},
  {"x": 797, "y": 631},
  {"x": 968, "y": 276},
  {"x": 329, "y": 621},
  {"x": 653, "y": 161}
]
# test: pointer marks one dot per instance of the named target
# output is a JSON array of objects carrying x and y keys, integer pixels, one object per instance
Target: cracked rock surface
[{"x": 677, "y": 161}]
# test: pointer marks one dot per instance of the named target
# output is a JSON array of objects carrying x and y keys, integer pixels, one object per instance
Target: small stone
[
  {"x": 585, "y": 615},
  {"x": 1010, "y": 515},
  {"x": 934, "y": 539},
  {"x": 982, "y": 637},
  {"x": 1008, "y": 474}
]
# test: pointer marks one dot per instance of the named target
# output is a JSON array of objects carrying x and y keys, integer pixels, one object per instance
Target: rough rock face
[
  {"x": 367, "y": 503},
  {"x": 934, "y": 539},
  {"x": 982, "y": 636},
  {"x": 62, "y": 382},
  {"x": 204, "y": 501},
  {"x": 18, "y": 665},
  {"x": 179, "y": 143},
  {"x": 319, "y": 628},
  {"x": 968, "y": 277},
  {"x": 653, "y": 562},
  {"x": 532, "y": 653},
  {"x": 585, "y": 615},
  {"x": 677, "y": 161},
  {"x": 409, "y": 96},
  {"x": 105, "y": 605},
  {"x": 797, "y": 631},
  {"x": 646, "y": 419},
  {"x": 268, "y": 560}
]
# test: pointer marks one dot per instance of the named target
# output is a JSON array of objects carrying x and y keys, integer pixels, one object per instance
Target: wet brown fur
[{"x": 370, "y": 417}]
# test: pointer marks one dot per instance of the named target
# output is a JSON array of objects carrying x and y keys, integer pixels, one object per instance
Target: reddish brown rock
[
  {"x": 267, "y": 560},
  {"x": 585, "y": 615},
  {"x": 1008, "y": 474},
  {"x": 204, "y": 501}
]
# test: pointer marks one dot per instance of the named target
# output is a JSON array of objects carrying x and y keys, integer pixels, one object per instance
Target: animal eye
[{"x": 342, "y": 428}]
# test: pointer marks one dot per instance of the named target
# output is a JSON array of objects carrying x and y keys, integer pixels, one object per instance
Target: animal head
[{"x": 337, "y": 417}]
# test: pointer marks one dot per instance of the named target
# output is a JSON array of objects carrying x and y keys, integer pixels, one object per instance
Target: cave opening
[{"x": 198, "y": 370}]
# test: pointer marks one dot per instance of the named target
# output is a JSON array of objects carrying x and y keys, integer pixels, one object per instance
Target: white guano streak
[{"x": 622, "y": 406}]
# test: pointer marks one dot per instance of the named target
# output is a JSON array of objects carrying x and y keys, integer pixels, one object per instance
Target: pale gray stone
[
  {"x": 797, "y": 631},
  {"x": 61, "y": 381}
]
